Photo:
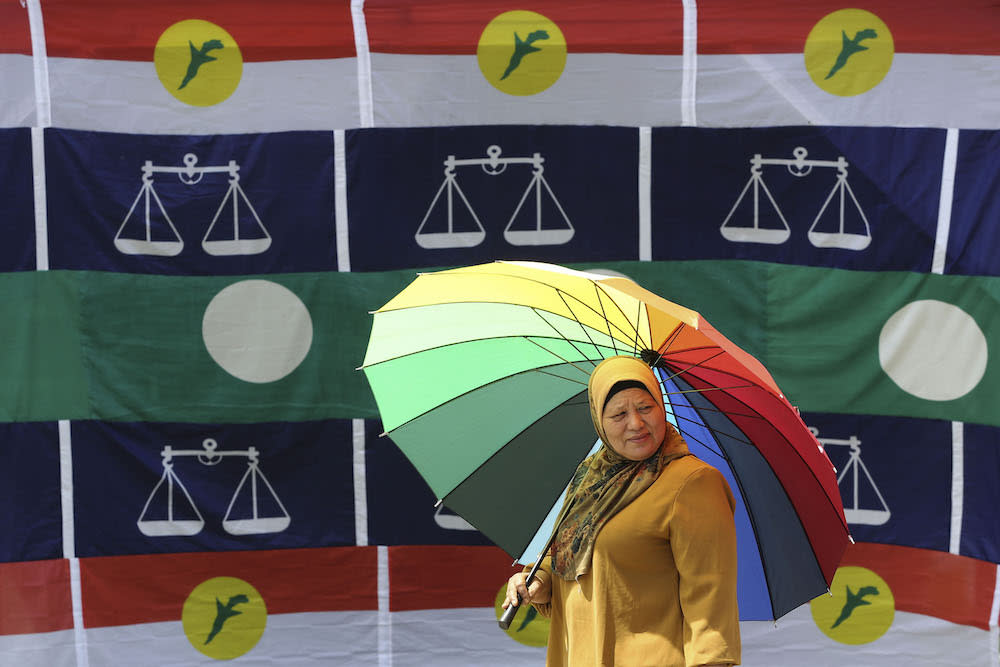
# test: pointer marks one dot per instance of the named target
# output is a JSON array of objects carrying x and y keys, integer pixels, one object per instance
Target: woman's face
[{"x": 634, "y": 423}]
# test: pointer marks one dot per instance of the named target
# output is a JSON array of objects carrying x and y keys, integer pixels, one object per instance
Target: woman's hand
[{"x": 536, "y": 592}]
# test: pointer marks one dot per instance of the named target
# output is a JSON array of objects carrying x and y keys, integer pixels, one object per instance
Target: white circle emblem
[
  {"x": 257, "y": 330},
  {"x": 933, "y": 350}
]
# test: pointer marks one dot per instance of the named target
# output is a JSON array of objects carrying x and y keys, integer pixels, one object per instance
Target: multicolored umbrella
[{"x": 480, "y": 375}]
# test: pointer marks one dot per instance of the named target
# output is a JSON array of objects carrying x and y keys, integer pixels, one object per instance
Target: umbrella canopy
[{"x": 480, "y": 375}]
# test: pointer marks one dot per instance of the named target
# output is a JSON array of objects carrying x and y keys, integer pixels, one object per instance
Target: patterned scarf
[{"x": 606, "y": 482}]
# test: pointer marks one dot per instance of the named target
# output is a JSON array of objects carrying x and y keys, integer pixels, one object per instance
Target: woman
[{"x": 643, "y": 567}]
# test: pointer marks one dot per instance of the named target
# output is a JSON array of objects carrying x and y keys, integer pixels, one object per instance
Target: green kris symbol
[
  {"x": 849, "y": 47},
  {"x": 223, "y": 612},
  {"x": 854, "y": 600},
  {"x": 198, "y": 58},
  {"x": 523, "y": 48}
]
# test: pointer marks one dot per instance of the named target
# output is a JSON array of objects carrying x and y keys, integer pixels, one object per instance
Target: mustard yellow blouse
[{"x": 662, "y": 586}]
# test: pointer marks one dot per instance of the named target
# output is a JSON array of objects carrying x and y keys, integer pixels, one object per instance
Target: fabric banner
[
  {"x": 180, "y": 205},
  {"x": 292, "y": 606},
  {"x": 17, "y": 252},
  {"x": 886, "y": 62},
  {"x": 446, "y": 196},
  {"x": 554, "y": 61},
  {"x": 146, "y": 487},
  {"x": 803, "y": 195},
  {"x": 164, "y": 358},
  {"x": 190, "y": 68},
  {"x": 888, "y": 605},
  {"x": 16, "y": 67},
  {"x": 31, "y": 527},
  {"x": 444, "y": 603},
  {"x": 203, "y": 203},
  {"x": 971, "y": 236}
]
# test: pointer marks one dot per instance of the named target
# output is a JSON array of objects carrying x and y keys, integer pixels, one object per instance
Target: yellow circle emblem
[
  {"x": 528, "y": 627},
  {"x": 198, "y": 62},
  {"x": 860, "y": 609},
  {"x": 224, "y": 617},
  {"x": 848, "y": 52},
  {"x": 521, "y": 52}
]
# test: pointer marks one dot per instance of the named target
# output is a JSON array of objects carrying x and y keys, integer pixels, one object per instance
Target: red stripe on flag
[
  {"x": 35, "y": 597},
  {"x": 454, "y": 26},
  {"x": 264, "y": 30},
  {"x": 922, "y": 26},
  {"x": 123, "y": 590},
  {"x": 955, "y": 588},
  {"x": 15, "y": 32},
  {"x": 446, "y": 577}
]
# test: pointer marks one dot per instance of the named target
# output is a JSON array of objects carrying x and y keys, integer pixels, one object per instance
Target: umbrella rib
[
  {"x": 600, "y": 290},
  {"x": 604, "y": 314},
  {"x": 559, "y": 377},
  {"x": 670, "y": 340},
  {"x": 560, "y": 358},
  {"x": 728, "y": 414},
  {"x": 575, "y": 319},
  {"x": 712, "y": 429},
  {"x": 638, "y": 316},
  {"x": 701, "y": 391},
  {"x": 698, "y": 364}
]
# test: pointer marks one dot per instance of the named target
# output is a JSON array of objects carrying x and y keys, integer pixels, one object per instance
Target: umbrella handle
[{"x": 508, "y": 614}]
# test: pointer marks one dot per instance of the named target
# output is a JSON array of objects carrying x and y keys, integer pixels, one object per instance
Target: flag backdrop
[{"x": 202, "y": 203}]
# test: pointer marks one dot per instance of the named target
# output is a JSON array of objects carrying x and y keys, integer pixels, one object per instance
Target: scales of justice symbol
[
  {"x": 853, "y": 511},
  {"x": 493, "y": 165},
  {"x": 253, "y": 485},
  {"x": 152, "y": 213},
  {"x": 799, "y": 166}
]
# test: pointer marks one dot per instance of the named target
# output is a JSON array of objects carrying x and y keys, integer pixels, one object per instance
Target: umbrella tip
[{"x": 438, "y": 503}]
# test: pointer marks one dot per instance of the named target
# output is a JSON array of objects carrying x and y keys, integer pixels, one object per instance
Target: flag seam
[
  {"x": 363, "y": 50},
  {"x": 948, "y": 166}
]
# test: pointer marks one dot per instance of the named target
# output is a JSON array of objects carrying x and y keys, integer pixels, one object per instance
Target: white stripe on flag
[
  {"x": 79, "y": 632},
  {"x": 458, "y": 638},
  {"x": 645, "y": 194},
  {"x": 941, "y": 90},
  {"x": 689, "y": 90},
  {"x": 360, "y": 483},
  {"x": 41, "y": 210},
  {"x": 416, "y": 90},
  {"x": 43, "y": 109},
  {"x": 42, "y": 649},
  {"x": 945, "y": 202},
  {"x": 69, "y": 538},
  {"x": 306, "y": 639},
  {"x": 773, "y": 85},
  {"x": 995, "y": 621},
  {"x": 66, "y": 488},
  {"x": 957, "y": 484},
  {"x": 384, "y": 616},
  {"x": 20, "y": 105},
  {"x": 365, "y": 107},
  {"x": 272, "y": 96},
  {"x": 912, "y": 639},
  {"x": 340, "y": 200}
]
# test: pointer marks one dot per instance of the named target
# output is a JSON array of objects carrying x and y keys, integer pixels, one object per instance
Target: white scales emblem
[
  {"x": 148, "y": 207},
  {"x": 494, "y": 165},
  {"x": 853, "y": 512},
  {"x": 819, "y": 235},
  {"x": 165, "y": 495}
]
